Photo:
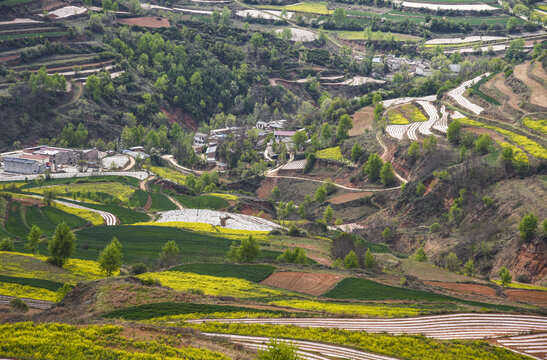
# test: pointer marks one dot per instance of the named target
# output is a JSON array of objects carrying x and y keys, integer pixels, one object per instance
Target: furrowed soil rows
[
  {"x": 308, "y": 283},
  {"x": 456, "y": 326},
  {"x": 467, "y": 288},
  {"x": 539, "y": 93},
  {"x": 537, "y": 297}
]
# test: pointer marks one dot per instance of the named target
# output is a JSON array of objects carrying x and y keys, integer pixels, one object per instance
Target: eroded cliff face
[{"x": 530, "y": 259}]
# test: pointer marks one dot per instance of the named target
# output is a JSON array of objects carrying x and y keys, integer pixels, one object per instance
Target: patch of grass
[
  {"x": 254, "y": 273},
  {"x": 168, "y": 174},
  {"x": 34, "y": 35},
  {"x": 139, "y": 199},
  {"x": 35, "y": 217},
  {"x": 37, "y": 283},
  {"x": 126, "y": 216},
  {"x": 202, "y": 202},
  {"x": 150, "y": 311},
  {"x": 16, "y": 221},
  {"x": 14, "y": 2},
  {"x": 306, "y": 7},
  {"x": 56, "y": 216},
  {"x": 160, "y": 202}
]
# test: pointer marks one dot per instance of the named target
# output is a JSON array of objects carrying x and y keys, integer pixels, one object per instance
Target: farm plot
[
  {"x": 305, "y": 7},
  {"x": 308, "y": 283},
  {"x": 306, "y": 349},
  {"x": 444, "y": 327},
  {"x": 457, "y": 95},
  {"x": 300, "y": 34},
  {"x": 254, "y": 273},
  {"x": 457, "y": 7},
  {"x": 211, "y": 202},
  {"x": 267, "y": 15},
  {"x": 442, "y": 124},
  {"x": 539, "y": 92},
  {"x": 146, "y": 21},
  {"x": 18, "y": 21},
  {"x": 141, "y": 175},
  {"x": 404, "y": 100},
  {"x": 218, "y": 218},
  {"x": 464, "y": 40},
  {"x": 534, "y": 346},
  {"x": 294, "y": 165},
  {"x": 160, "y": 202},
  {"x": 397, "y": 131},
  {"x": 117, "y": 161},
  {"x": 89, "y": 190},
  {"x": 66, "y": 12},
  {"x": 433, "y": 117}
]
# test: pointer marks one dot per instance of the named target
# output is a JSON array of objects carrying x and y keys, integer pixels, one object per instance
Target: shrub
[
  {"x": 469, "y": 268},
  {"x": 139, "y": 268},
  {"x": 453, "y": 132},
  {"x": 62, "y": 291},
  {"x": 386, "y": 234},
  {"x": 351, "y": 261},
  {"x": 370, "y": 261},
  {"x": 414, "y": 151},
  {"x": 420, "y": 189},
  {"x": 110, "y": 258},
  {"x": 321, "y": 195},
  {"x": 295, "y": 256},
  {"x": 505, "y": 276},
  {"x": 7, "y": 245},
  {"x": 62, "y": 246},
  {"x": 528, "y": 226},
  {"x": 169, "y": 254},
  {"x": 18, "y": 305},
  {"x": 523, "y": 278},
  {"x": 435, "y": 227},
  {"x": 482, "y": 143},
  {"x": 149, "y": 281},
  {"x": 387, "y": 176},
  {"x": 420, "y": 255},
  {"x": 487, "y": 200},
  {"x": 373, "y": 166},
  {"x": 451, "y": 262},
  {"x": 248, "y": 251},
  {"x": 279, "y": 350}
]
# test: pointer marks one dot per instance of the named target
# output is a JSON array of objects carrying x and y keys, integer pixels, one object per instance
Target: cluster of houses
[
  {"x": 38, "y": 159},
  {"x": 419, "y": 67},
  {"x": 207, "y": 144}
]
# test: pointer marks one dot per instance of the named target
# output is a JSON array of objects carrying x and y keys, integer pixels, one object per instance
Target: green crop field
[
  {"x": 150, "y": 311},
  {"x": 126, "y": 216},
  {"x": 202, "y": 202},
  {"x": 124, "y": 180},
  {"x": 139, "y": 198},
  {"x": 254, "y": 273},
  {"x": 55, "y": 216},
  {"x": 16, "y": 223},
  {"x": 14, "y": 2},
  {"x": 33, "y": 35},
  {"x": 38, "y": 283},
  {"x": 35, "y": 217},
  {"x": 143, "y": 243},
  {"x": 160, "y": 202}
]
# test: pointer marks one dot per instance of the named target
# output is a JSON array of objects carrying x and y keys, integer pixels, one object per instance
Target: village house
[
  {"x": 284, "y": 135},
  {"x": 23, "y": 166},
  {"x": 200, "y": 139}
]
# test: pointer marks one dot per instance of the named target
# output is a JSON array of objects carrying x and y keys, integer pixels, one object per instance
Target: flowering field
[
  {"x": 59, "y": 341},
  {"x": 539, "y": 125},
  {"x": 114, "y": 189},
  {"x": 396, "y": 118},
  {"x": 168, "y": 174},
  {"x": 211, "y": 285},
  {"x": 518, "y": 155},
  {"x": 26, "y": 291},
  {"x": 209, "y": 229},
  {"x": 332, "y": 153},
  {"x": 254, "y": 273}
]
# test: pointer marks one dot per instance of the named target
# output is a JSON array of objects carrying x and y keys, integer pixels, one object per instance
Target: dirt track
[
  {"x": 539, "y": 93},
  {"x": 307, "y": 283}
]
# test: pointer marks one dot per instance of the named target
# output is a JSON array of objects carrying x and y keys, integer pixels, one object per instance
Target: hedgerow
[{"x": 59, "y": 341}]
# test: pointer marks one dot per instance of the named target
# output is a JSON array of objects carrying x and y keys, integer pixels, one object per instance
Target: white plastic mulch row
[
  {"x": 412, "y": 129},
  {"x": 433, "y": 117},
  {"x": 109, "y": 218},
  {"x": 461, "y": 7},
  {"x": 19, "y": 21},
  {"x": 191, "y": 11},
  {"x": 467, "y": 39},
  {"x": 89, "y": 71},
  {"x": 457, "y": 95},
  {"x": 442, "y": 124},
  {"x": 457, "y": 115},
  {"x": 118, "y": 160},
  {"x": 453, "y": 326},
  {"x": 531, "y": 345},
  {"x": 294, "y": 165},
  {"x": 141, "y": 175},
  {"x": 306, "y": 349},
  {"x": 219, "y": 218},
  {"x": 258, "y": 14},
  {"x": 300, "y": 35},
  {"x": 404, "y": 100},
  {"x": 67, "y": 11},
  {"x": 397, "y": 131}
]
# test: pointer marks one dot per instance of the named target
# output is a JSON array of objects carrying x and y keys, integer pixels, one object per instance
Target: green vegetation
[
  {"x": 139, "y": 199},
  {"x": 475, "y": 89},
  {"x": 332, "y": 153},
  {"x": 420, "y": 347},
  {"x": 31, "y": 341},
  {"x": 538, "y": 125},
  {"x": 160, "y": 202},
  {"x": 16, "y": 224},
  {"x": 150, "y": 311},
  {"x": 396, "y": 118},
  {"x": 37, "y": 283},
  {"x": 308, "y": 7},
  {"x": 62, "y": 246},
  {"x": 254, "y": 273},
  {"x": 33, "y": 35},
  {"x": 202, "y": 202},
  {"x": 126, "y": 216}
]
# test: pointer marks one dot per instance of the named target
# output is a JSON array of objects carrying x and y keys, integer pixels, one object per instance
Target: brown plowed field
[
  {"x": 538, "y": 71},
  {"x": 498, "y": 82},
  {"x": 466, "y": 288},
  {"x": 344, "y": 198},
  {"x": 148, "y": 21},
  {"x": 536, "y": 297},
  {"x": 539, "y": 93},
  {"x": 307, "y": 283},
  {"x": 362, "y": 120}
]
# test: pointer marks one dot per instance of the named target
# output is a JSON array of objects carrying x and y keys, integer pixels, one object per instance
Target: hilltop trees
[{"x": 62, "y": 246}]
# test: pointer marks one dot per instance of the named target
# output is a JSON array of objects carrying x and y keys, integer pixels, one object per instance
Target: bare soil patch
[
  {"x": 362, "y": 120},
  {"x": 466, "y": 288},
  {"x": 498, "y": 83},
  {"x": 265, "y": 189},
  {"x": 536, "y": 297},
  {"x": 493, "y": 134},
  {"x": 537, "y": 70},
  {"x": 308, "y": 283},
  {"x": 539, "y": 93},
  {"x": 147, "y": 21},
  {"x": 344, "y": 198}
]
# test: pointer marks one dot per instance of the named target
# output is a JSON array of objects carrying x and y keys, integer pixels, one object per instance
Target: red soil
[
  {"x": 264, "y": 191},
  {"x": 362, "y": 120},
  {"x": 536, "y": 297},
  {"x": 539, "y": 93},
  {"x": 308, "y": 283},
  {"x": 344, "y": 198},
  {"x": 465, "y": 288},
  {"x": 148, "y": 21}
]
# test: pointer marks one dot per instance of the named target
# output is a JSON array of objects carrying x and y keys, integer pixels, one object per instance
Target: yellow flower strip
[
  {"x": 350, "y": 309},
  {"x": 25, "y": 291}
]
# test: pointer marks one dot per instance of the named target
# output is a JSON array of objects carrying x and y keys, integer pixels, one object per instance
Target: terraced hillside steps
[
  {"x": 433, "y": 117},
  {"x": 443, "y": 327},
  {"x": 457, "y": 95},
  {"x": 306, "y": 349},
  {"x": 531, "y": 345}
]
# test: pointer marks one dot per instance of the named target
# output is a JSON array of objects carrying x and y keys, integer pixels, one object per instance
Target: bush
[
  {"x": 139, "y": 268},
  {"x": 420, "y": 189},
  {"x": 386, "y": 234},
  {"x": 150, "y": 281},
  {"x": 505, "y": 276},
  {"x": 295, "y": 256},
  {"x": 523, "y": 278},
  {"x": 279, "y": 350},
  {"x": 528, "y": 226},
  {"x": 435, "y": 227},
  {"x": 420, "y": 255},
  {"x": 18, "y": 305},
  {"x": 351, "y": 261},
  {"x": 62, "y": 291},
  {"x": 487, "y": 200},
  {"x": 248, "y": 251},
  {"x": 7, "y": 245},
  {"x": 370, "y": 261}
]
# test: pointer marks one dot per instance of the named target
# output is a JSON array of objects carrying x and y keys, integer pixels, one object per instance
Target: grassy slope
[{"x": 254, "y": 273}]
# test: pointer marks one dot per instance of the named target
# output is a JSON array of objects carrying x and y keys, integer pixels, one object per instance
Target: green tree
[
  {"x": 505, "y": 276},
  {"x": 387, "y": 176},
  {"x": 386, "y": 234},
  {"x": 482, "y": 143},
  {"x": 170, "y": 254},
  {"x": 370, "y": 261},
  {"x": 294, "y": 256},
  {"x": 420, "y": 255},
  {"x": 299, "y": 138},
  {"x": 110, "y": 258},
  {"x": 351, "y": 261},
  {"x": 49, "y": 196},
  {"x": 215, "y": 17},
  {"x": 321, "y": 195},
  {"x": 326, "y": 134},
  {"x": 451, "y": 262},
  {"x": 453, "y": 133},
  {"x": 420, "y": 189},
  {"x": 344, "y": 125},
  {"x": 373, "y": 166},
  {"x": 275, "y": 195},
  {"x": 93, "y": 86},
  {"x": 356, "y": 152},
  {"x": 339, "y": 16},
  {"x": 469, "y": 268},
  {"x": 414, "y": 151},
  {"x": 257, "y": 41},
  {"x": 328, "y": 215},
  {"x": 507, "y": 155},
  {"x": 62, "y": 291},
  {"x": 33, "y": 239},
  {"x": 7, "y": 245},
  {"x": 528, "y": 226},
  {"x": 62, "y": 246},
  {"x": 279, "y": 350},
  {"x": 249, "y": 250}
]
